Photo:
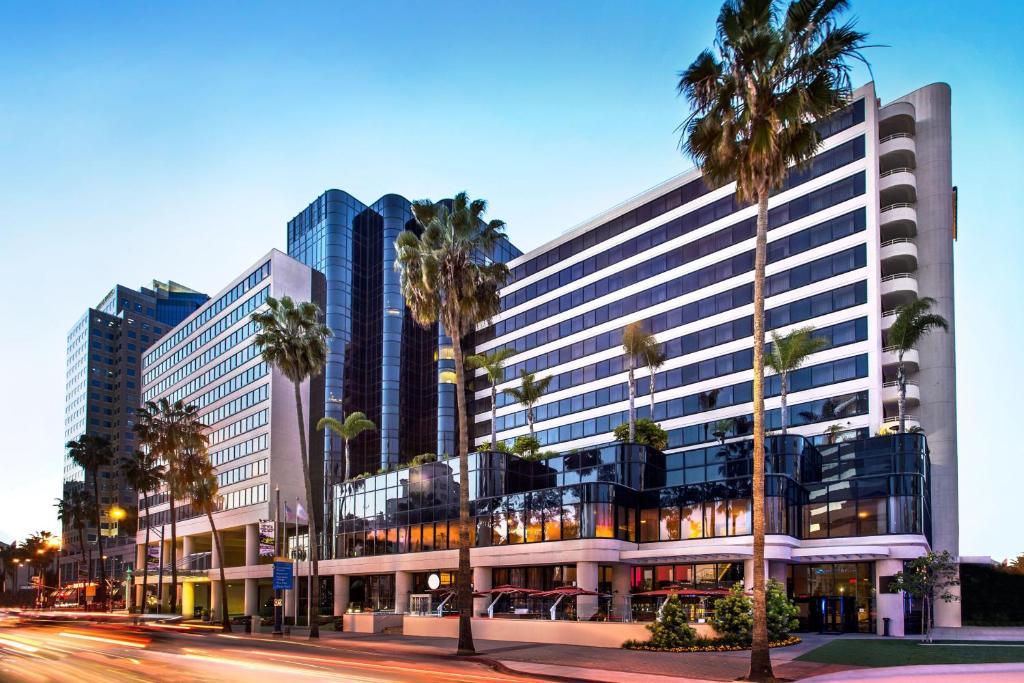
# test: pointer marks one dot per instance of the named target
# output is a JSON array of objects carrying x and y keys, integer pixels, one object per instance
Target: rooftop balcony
[
  {"x": 898, "y": 289},
  {"x": 898, "y": 149},
  {"x": 892, "y": 422},
  {"x": 899, "y": 255},
  {"x": 890, "y": 359},
  {"x": 897, "y": 185},
  {"x": 898, "y": 219},
  {"x": 898, "y": 117},
  {"x": 890, "y": 393}
]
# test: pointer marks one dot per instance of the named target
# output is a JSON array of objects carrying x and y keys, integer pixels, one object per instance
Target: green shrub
[
  {"x": 733, "y": 618},
  {"x": 525, "y": 444},
  {"x": 671, "y": 629},
  {"x": 781, "y": 611},
  {"x": 648, "y": 432},
  {"x": 422, "y": 459}
]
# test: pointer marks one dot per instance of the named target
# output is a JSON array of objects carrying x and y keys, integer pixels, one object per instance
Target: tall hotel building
[
  {"x": 210, "y": 361},
  {"x": 102, "y": 389}
]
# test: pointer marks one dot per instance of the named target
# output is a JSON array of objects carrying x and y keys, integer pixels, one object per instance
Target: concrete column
[
  {"x": 586, "y": 578},
  {"x": 620, "y": 590},
  {"x": 481, "y": 582},
  {"x": 215, "y": 606},
  {"x": 748, "y": 574},
  {"x": 776, "y": 570},
  {"x": 341, "y": 584},
  {"x": 188, "y": 546},
  {"x": 290, "y": 603},
  {"x": 252, "y": 597},
  {"x": 403, "y": 587},
  {"x": 252, "y": 544},
  {"x": 188, "y": 599},
  {"x": 888, "y": 605}
]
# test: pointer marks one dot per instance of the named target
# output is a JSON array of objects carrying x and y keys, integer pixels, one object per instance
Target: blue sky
[{"x": 144, "y": 140}]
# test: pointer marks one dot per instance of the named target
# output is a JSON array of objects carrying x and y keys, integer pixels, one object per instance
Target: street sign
[{"x": 283, "y": 576}]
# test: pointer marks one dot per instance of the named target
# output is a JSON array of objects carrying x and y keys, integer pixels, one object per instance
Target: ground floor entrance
[{"x": 833, "y": 597}]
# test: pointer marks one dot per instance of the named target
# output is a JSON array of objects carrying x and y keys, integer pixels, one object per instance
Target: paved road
[{"x": 95, "y": 653}]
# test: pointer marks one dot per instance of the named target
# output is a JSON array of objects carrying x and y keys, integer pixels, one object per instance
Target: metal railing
[
  {"x": 898, "y": 276},
  {"x": 894, "y": 171},
  {"x": 891, "y": 311},
  {"x": 896, "y": 418},
  {"x": 898, "y": 240},
  {"x": 895, "y": 136},
  {"x": 897, "y": 205},
  {"x": 896, "y": 384}
]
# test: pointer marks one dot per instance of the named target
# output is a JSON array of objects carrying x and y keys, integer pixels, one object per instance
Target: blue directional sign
[{"x": 283, "y": 576}]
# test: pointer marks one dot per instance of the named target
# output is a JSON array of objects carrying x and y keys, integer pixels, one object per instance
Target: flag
[
  {"x": 301, "y": 513},
  {"x": 289, "y": 514}
]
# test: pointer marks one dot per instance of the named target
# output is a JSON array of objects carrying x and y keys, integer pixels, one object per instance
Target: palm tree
[
  {"x": 447, "y": 277},
  {"x": 493, "y": 365},
  {"x": 640, "y": 347},
  {"x": 200, "y": 484},
  {"x": 143, "y": 473},
  {"x": 528, "y": 393},
  {"x": 93, "y": 453},
  {"x": 913, "y": 321},
  {"x": 775, "y": 72},
  {"x": 354, "y": 425},
  {"x": 74, "y": 511},
  {"x": 789, "y": 351},
  {"x": 165, "y": 429},
  {"x": 654, "y": 358},
  {"x": 295, "y": 342}
]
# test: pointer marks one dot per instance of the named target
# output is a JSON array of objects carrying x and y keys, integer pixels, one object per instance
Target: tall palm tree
[
  {"x": 447, "y": 277},
  {"x": 165, "y": 429},
  {"x": 354, "y": 425},
  {"x": 493, "y": 365},
  {"x": 913, "y": 321},
  {"x": 93, "y": 453},
  {"x": 199, "y": 481},
  {"x": 143, "y": 473},
  {"x": 294, "y": 340},
  {"x": 528, "y": 393},
  {"x": 756, "y": 98},
  {"x": 789, "y": 351},
  {"x": 640, "y": 347},
  {"x": 654, "y": 358},
  {"x": 75, "y": 510}
]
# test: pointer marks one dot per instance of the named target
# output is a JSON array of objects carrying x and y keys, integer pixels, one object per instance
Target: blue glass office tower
[{"x": 381, "y": 362}]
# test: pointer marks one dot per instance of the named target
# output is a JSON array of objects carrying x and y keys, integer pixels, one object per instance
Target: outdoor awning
[{"x": 568, "y": 592}]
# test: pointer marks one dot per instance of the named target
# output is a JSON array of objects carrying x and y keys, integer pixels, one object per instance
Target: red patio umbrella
[
  {"x": 507, "y": 590},
  {"x": 566, "y": 591}
]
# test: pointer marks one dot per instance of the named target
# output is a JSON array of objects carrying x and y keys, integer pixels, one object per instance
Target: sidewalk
[{"x": 575, "y": 662}]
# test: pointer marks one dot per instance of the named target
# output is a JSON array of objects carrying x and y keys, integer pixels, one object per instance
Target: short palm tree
[
  {"x": 143, "y": 473},
  {"x": 654, "y": 358},
  {"x": 913, "y": 321},
  {"x": 789, "y": 351},
  {"x": 447, "y": 278},
  {"x": 493, "y": 365},
  {"x": 294, "y": 340},
  {"x": 528, "y": 393},
  {"x": 354, "y": 425},
  {"x": 75, "y": 511},
  {"x": 93, "y": 453},
  {"x": 640, "y": 348},
  {"x": 775, "y": 72},
  {"x": 200, "y": 485}
]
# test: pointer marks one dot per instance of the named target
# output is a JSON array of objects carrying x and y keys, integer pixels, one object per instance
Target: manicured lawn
[{"x": 909, "y": 652}]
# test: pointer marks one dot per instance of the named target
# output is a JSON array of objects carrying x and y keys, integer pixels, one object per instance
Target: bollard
[{"x": 885, "y": 626}]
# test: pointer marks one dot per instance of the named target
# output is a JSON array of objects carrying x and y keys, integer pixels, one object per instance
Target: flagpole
[{"x": 295, "y": 556}]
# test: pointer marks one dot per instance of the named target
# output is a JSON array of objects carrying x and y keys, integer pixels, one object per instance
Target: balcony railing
[
  {"x": 894, "y": 136},
  {"x": 898, "y": 240},
  {"x": 891, "y": 311},
  {"x": 897, "y": 205},
  {"x": 894, "y": 171},
  {"x": 898, "y": 276}
]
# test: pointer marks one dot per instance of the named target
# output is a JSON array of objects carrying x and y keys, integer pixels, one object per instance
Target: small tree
[
  {"x": 525, "y": 445},
  {"x": 913, "y": 322},
  {"x": 781, "y": 612},
  {"x": 648, "y": 432},
  {"x": 929, "y": 578},
  {"x": 493, "y": 365},
  {"x": 671, "y": 629},
  {"x": 529, "y": 393},
  {"x": 733, "y": 617},
  {"x": 788, "y": 353},
  {"x": 640, "y": 348}
]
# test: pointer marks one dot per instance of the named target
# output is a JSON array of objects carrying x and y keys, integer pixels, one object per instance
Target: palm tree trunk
[
  {"x": 101, "y": 588},
  {"x": 760, "y": 656},
  {"x": 529, "y": 420},
  {"x": 173, "y": 588},
  {"x": 652, "y": 394},
  {"x": 901, "y": 395},
  {"x": 494, "y": 416},
  {"x": 86, "y": 555},
  {"x": 145, "y": 555},
  {"x": 314, "y": 542},
  {"x": 344, "y": 445},
  {"x": 465, "y": 580},
  {"x": 225, "y": 622},
  {"x": 784, "y": 377},
  {"x": 632, "y": 401}
]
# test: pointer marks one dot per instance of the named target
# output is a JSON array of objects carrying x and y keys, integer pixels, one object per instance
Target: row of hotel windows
[
  {"x": 672, "y": 289},
  {"x": 246, "y": 424},
  {"x": 252, "y": 495},
  {"x": 211, "y": 375},
  {"x": 799, "y": 242},
  {"x": 831, "y": 372},
  {"x": 830, "y": 266},
  {"x": 849, "y": 117},
  {"x": 239, "y": 450},
  {"x": 247, "y": 471},
  {"x": 243, "y": 402},
  {"x": 223, "y": 346},
  {"x": 238, "y": 313},
  {"x": 209, "y": 312},
  {"x": 240, "y": 380},
  {"x": 833, "y": 336}
]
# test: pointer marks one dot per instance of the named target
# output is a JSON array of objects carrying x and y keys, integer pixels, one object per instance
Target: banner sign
[
  {"x": 283, "y": 576},
  {"x": 153, "y": 556},
  {"x": 266, "y": 538}
]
